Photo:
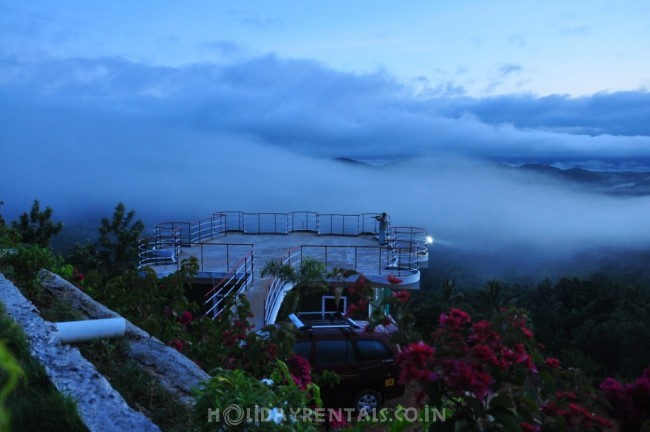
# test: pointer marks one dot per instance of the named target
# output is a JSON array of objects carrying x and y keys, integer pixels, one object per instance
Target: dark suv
[{"x": 364, "y": 361}]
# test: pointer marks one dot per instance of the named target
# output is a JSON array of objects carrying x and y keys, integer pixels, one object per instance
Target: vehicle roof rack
[{"x": 322, "y": 320}]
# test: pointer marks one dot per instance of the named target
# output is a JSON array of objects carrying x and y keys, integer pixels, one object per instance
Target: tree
[
  {"x": 37, "y": 227},
  {"x": 117, "y": 246}
]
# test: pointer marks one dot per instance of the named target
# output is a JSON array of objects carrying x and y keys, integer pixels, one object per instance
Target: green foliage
[
  {"x": 265, "y": 406},
  {"x": 27, "y": 259},
  {"x": 23, "y": 264},
  {"x": 10, "y": 373},
  {"x": 154, "y": 304},
  {"x": 84, "y": 257},
  {"x": 489, "y": 373},
  {"x": 37, "y": 227},
  {"x": 35, "y": 404},
  {"x": 238, "y": 346},
  {"x": 326, "y": 378},
  {"x": 8, "y": 238},
  {"x": 116, "y": 250},
  {"x": 594, "y": 324},
  {"x": 308, "y": 280},
  {"x": 138, "y": 387},
  {"x": 117, "y": 246},
  {"x": 60, "y": 310}
]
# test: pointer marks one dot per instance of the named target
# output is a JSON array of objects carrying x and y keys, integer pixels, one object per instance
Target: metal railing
[
  {"x": 238, "y": 280},
  {"x": 299, "y": 221},
  {"x": 278, "y": 285},
  {"x": 221, "y": 257},
  {"x": 169, "y": 238},
  {"x": 161, "y": 249},
  {"x": 417, "y": 236},
  {"x": 398, "y": 259}
]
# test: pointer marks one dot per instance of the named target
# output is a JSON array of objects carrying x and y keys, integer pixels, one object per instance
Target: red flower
[
  {"x": 403, "y": 296},
  {"x": 186, "y": 318},
  {"x": 552, "y": 363},
  {"x": 527, "y": 427},
  {"x": 416, "y": 361},
  {"x": 394, "y": 279},
  {"x": 177, "y": 343},
  {"x": 455, "y": 319},
  {"x": 300, "y": 370},
  {"x": 484, "y": 334},
  {"x": 463, "y": 377},
  {"x": 521, "y": 325}
]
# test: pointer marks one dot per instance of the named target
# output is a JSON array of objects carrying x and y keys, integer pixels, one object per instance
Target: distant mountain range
[
  {"x": 610, "y": 182},
  {"x": 630, "y": 183}
]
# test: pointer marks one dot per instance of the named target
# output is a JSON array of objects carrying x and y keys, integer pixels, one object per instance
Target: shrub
[
  {"x": 234, "y": 400},
  {"x": 37, "y": 227}
]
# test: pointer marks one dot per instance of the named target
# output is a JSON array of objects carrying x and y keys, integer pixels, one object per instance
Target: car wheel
[{"x": 367, "y": 399}]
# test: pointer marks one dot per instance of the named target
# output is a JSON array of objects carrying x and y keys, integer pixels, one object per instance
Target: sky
[
  {"x": 179, "y": 110},
  {"x": 471, "y": 47}
]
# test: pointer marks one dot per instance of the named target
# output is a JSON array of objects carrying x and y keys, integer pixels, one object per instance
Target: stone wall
[
  {"x": 174, "y": 371},
  {"x": 99, "y": 405}
]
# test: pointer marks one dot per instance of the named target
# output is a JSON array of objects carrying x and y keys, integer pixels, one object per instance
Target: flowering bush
[
  {"x": 492, "y": 376},
  {"x": 630, "y": 402},
  {"x": 300, "y": 370},
  {"x": 489, "y": 374},
  {"x": 233, "y": 400}
]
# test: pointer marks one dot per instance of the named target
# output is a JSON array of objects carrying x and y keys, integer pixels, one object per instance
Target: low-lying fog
[{"x": 82, "y": 148}]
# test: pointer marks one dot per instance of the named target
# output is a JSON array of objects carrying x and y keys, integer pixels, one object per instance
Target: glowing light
[{"x": 429, "y": 239}]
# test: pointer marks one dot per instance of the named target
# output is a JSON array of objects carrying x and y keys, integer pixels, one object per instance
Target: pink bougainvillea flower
[
  {"x": 300, "y": 370},
  {"x": 177, "y": 344},
  {"x": 464, "y": 376},
  {"x": 394, "y": 279},
  {"x": 455, "y": 319},
  {"x": 403, "y": 296},
  {"x": 186, "y": 318},
  {"x": 552, "y": 362},
  {"x": 416, "y": 362}
]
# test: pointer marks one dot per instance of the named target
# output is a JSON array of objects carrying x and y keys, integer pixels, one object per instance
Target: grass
[
  {"x": 35, "y": 404},
  {"x": 138, "y": 387}
]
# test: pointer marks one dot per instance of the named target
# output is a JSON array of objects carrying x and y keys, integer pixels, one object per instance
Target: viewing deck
[{"x": 233, "y": 247}]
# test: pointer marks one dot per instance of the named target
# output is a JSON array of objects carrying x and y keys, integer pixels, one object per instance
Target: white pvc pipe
[{"x": 83, "y": 331}]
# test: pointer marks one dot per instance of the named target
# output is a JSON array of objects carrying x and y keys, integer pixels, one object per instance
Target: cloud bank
[{"x": 260, "y": 135}]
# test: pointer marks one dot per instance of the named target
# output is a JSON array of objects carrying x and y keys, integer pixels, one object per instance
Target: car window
[
  {"x": 373, "y": 350},
  {"x": 302, "y": 349},
  {"x": 333, "y": 351}
]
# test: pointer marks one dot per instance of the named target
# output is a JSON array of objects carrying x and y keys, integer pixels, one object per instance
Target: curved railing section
[
  {"x": 237, "y": 281},
  {"x": 279, "y": 287},
  {"x": 161, "y": 249},
  {"x": 169, "y": 238},
  {"x": 418, "y": 238}
]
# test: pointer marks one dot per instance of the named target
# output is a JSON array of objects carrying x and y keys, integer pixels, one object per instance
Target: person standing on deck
[{"x": 383, "y": 227}]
